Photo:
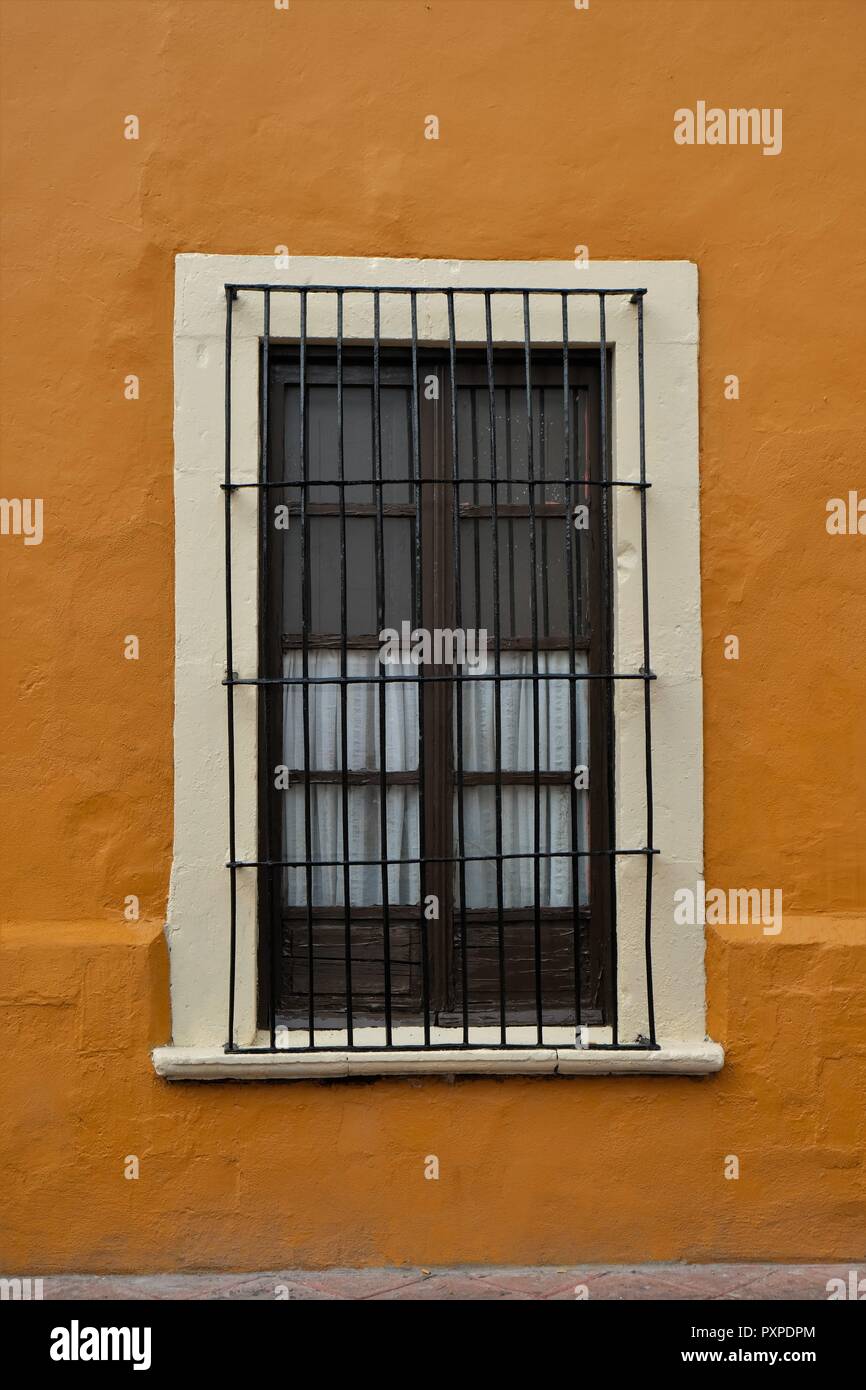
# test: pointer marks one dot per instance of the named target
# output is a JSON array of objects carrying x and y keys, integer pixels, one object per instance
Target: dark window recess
[{"x": 432, "y": 858}]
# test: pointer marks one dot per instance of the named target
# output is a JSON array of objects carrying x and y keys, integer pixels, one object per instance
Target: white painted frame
[{"x": 198, "y": 914}]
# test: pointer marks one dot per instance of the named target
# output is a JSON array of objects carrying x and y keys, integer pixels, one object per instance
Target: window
[
  {"x": 462, "y": 899},
  {"x": 553, "y": 926}
]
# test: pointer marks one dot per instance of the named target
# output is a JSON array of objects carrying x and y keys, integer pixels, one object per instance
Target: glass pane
[
  {"x": 365, "y": 881},
  {"x": 515, "y": 571},
  {"x": 517, "y": 705},
  {"x": 323, "y": 542},
  {"x": 362, "y": 714},
  {"x": 512, "y": 443},
  {"x": 358, "y": 459},
  {"x": 518, "y": 837}
]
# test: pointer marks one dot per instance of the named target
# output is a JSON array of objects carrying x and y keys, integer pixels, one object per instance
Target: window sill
[{"x": 213, "y": 1064}]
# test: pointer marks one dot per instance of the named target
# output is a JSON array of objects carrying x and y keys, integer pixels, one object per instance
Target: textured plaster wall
[{"x": 261, "y": 127}]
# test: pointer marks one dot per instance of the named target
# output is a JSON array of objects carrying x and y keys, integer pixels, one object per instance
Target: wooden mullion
[
  {"x": 360, "y": 509},
  {"x": 401, "y": 912},
  {"x": 505, "y": 510},
  {"x": 359, "y": 777},
  {"x": 370, "y": 642},
  {"x": 517, "y": 779},
  {"x": 522, "y": 914}
]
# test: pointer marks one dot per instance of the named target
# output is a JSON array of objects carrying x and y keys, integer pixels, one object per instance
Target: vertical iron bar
[
  {"x": 533, "y": 618},
  {"x": 305, "y": 661},
  {"x": 476, "y": 525},
  {"x": 380, "y": 619},
  {"x": 646, "y": 684},
  {"x": 608, "y": 619},
  {"x": 497, "y": 639},
  {"x": 572, "y": 684},
  {"x": 509, "y": 493},
  {"x": 344, "y": 687},
  {"x": 458, "y": 607},
  {"x": 418, "y": 614},
  {"x": 542, "y": 470},
  {"x": 413, "y": 596},
  {"x": 267, "y": 693},
  {"x": 230, "y": 701}
]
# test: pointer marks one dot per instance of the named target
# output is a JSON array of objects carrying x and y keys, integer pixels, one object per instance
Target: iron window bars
[{"x": 269, "y": 862}]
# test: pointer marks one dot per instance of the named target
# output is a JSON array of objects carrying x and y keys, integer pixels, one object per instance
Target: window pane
[
  {"x": 324, "y": 573},
  {"x": 515, "y": 571},
  {"x": 362, "y": 714},
  {"x": 512, "y": 443},
  {"x": 358, "y": 460},
  {"x": 365, "y": 881},
  {"x": 518, "y": 716},
  {"x": 518, "y": 837}
]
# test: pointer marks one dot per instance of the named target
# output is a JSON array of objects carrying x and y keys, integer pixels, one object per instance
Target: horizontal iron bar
[
  {"x": 478, "y": 918},
  {"x": 480, "y": 777},
  {"x": 427, "y": 289},
  {"x": 443, "y": 1047},
  {"x": 429, "y": 859},
  {"x": 406, "y": 679},
  {"x": 442, "y": 482}
]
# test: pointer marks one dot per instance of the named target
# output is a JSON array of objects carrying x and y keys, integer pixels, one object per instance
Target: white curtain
[
  {"x": 401, "y": 746},
  {"x": 518, "y": 803},
  {"x": 326, "y": 755}
]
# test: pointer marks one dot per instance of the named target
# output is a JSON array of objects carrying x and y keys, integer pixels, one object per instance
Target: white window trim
[{"x": 198, "y": 912}]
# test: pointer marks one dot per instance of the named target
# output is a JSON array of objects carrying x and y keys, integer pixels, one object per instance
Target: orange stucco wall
[{"x": 259, "y": 128}]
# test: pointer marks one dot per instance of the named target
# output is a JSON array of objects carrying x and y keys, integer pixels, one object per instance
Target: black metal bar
[
  {"x": 509, "y": 492},
  {"x": 230, "y": 704},
  {"x": 647, "y": 667},
  {"x": 607, "y": 588},
  {"x": 439, "y": 858},
  {"x": 536, "y": 712},
  {"x": 407, "y": 509},
  {"x": 305, "y": 659},
  {"x": 458, "y": 606},
  {"x": 419, "y": 620},
  {"x": 406, "y": 679},
  {"x": 344, "y": 671},
  {"x": 380, "y": 619},
  {"x": 476, "y": 498},
  {"x": 441, "y": 482},
  {"x": 572, "y": 688},
  {"x": 426, "y": 289},
  {"x": 440, "y": 1047},
  {"x": 545, "y": 503},
  {"x": 497, "y": 640},
  {"x": 264, "y": 570}
]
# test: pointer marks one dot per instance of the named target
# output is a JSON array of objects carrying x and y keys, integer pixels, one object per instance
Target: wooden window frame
[{"x": 597, "y": 926}]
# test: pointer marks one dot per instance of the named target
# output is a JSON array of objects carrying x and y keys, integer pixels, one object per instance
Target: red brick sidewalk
[{"x": 673, "y": 1281}]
